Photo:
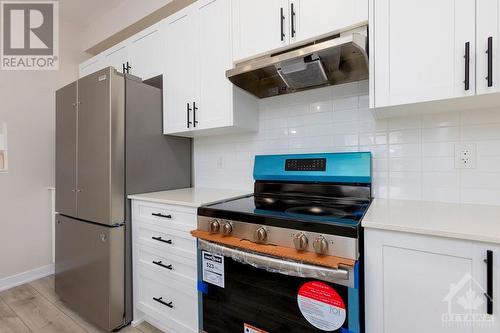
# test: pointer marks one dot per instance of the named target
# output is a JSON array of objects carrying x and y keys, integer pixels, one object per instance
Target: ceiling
[{"x": 82, "y": 12}]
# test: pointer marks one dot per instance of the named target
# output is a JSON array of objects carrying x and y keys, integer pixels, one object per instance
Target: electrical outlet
[{"x": 465, "y": 156}]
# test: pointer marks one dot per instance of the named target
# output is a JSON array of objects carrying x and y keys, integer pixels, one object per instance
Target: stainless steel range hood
[{"x": 340, "y": 59}]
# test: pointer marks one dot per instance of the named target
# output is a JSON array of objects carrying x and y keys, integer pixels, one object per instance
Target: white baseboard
[{"x": 25, "y": 277}]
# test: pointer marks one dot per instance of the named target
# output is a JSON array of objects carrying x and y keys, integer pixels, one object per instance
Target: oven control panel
[
  {"x": 305, "y": 164},
  {"x": 302, "y": 241}
]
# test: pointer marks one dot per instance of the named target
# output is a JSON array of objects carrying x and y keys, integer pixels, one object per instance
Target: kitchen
[{"x": 255, "y": 166}]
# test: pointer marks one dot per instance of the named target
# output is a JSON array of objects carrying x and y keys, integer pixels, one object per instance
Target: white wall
[
  {"x": 27, "y": 105},
  {"x": 413, "y": 156}
]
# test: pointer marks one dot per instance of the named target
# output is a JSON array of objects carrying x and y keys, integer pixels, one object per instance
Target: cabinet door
[
  {"x": 259, "y": 27},
  {"x": 116, "y": 56},
  {"x": 213, "y": 105},
  {"x": 66, "y": 141},
  {"x": 419, "y": 53},
  {"x": 312, "y": 19},
  {"x": 92, "y": 65},
  {"x": 94, "y": 148},
  {"x": 488, "y": 46},
  {"x": 146, "y": 53},
  {"x": 180, "y": 80},
  {"x": 414, "y": 283}
]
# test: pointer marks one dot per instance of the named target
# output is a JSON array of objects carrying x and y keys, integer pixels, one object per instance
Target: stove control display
[{"x": 305, "y": 164}]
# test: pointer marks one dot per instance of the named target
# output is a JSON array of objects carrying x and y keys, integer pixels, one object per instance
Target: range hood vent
[{"x": 340, "y": 59}]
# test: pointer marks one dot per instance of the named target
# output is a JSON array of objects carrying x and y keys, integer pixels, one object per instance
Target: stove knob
[
  {"x": 320, "y": 245},
  {"x": 300, "y": 242},
  {"x": 227, "y": 229},
  {"x": 214, "y": 227},
  {"x": 260, "y": 235}
]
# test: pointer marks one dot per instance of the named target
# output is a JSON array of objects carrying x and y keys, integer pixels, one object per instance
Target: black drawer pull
[
  {"x": 489, "y": 282},
  {"x": 282, "y": 24},
  {"x": 162, "y": 215},
  {"x": 159, "y": 239},
  {"x": 160, "y": 300},
  {"x": 159, "y": 263}
]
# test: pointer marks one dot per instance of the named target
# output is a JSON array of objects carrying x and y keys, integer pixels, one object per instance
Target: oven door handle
[{"x": 278, "y": 265}]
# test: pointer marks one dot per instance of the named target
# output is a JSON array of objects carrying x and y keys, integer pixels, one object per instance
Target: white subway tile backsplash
[{"x": 413, "y": 156}]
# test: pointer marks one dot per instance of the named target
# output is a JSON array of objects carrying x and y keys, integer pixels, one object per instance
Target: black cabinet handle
[
  {"x": 467, "y": 66},
  {"x": 159, "y": 263},
  {"x": 128, "y": 68},
  {"x": 162, "y": 215},
  {"x": 489, "y": 282},
  {"x": 490, "y": 62},
  {"x": 282, "y": 24},
  {"x": 124, "y": 69},
  {"x": 160, "y": 300},
  {"x": 188, "y": 121},
  {"x": 292, "y": 19},
  {"x": 195, "y": 108},
  {"x": 159, "y": 239}
]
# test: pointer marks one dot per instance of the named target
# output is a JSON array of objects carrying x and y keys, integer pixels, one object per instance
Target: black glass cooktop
[{"x": 288, "y": 211}]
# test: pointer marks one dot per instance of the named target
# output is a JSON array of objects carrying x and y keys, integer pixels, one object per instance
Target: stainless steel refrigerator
[{"x": 109, "y": 143}]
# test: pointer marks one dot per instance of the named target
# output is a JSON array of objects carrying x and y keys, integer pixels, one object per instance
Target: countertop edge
[{"x": 432, "y": 232}]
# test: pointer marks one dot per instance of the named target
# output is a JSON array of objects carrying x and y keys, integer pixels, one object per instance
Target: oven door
[{"x": 262, "y": 294}]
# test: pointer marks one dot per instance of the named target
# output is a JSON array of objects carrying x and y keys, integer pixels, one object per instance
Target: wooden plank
[
  {"x": 274, "y": 250},
  {"x": 147, "y": 328},
  {"x": 45, "y": 287},
  {"x": 9, "y": 321},
  {"x": 38, "y": 313}
]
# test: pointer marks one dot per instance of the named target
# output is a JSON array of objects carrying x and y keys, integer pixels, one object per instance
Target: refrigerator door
[
  {"x": 101, "y": 127},
  {"x": 66, "y": 141},
  {"x": 90, "y": 270}
]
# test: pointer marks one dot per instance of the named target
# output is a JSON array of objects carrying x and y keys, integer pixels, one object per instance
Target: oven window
[{"x": 264, "y": 300}]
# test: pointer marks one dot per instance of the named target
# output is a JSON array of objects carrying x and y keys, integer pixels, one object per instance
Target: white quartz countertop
[
  {"x": 462, "y": 221},
  {"x": 191, "y": 197}
]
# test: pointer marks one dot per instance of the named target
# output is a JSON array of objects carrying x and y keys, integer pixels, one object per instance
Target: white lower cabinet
[
  {"x": 165, "y": 266},
  {"x": 417, "y": 283}
]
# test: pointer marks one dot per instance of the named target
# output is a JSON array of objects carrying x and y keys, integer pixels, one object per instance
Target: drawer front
[
  {"x": 167, "y": 241},
  {"x": 166, "y": 215},
  {"x": 174, "y": 299},
  {"x": 168, "y": 267}
]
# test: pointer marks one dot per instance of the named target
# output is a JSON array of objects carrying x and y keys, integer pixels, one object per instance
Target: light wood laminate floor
[{"x": 35, "y": 307}]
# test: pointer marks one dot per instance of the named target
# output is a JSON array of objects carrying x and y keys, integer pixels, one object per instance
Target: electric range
[{"x": 287, "y": 258}]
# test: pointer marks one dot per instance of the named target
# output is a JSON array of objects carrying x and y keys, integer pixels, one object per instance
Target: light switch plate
[{"x": 465, "y": 156}]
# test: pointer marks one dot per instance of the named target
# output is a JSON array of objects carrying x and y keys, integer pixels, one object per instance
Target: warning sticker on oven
[
  {"x": 250, "y": 329},
  {"x": 213, "y": 268},
  {"x": 321, "y": 305}
]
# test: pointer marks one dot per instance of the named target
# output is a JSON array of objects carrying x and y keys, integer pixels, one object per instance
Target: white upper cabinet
[
  {"x": 488, "y": 46},
  {"x": 92, "y": 65},
  {"x": 422, "y": 54},
  {"x": 180, "y": 77},
  {"x": 264, "y": 26},
  {"x": 146, "y": 52},
  {"x": 311, "y": 19},
  {"x": 117, "y": 56},
  {"x": 259, "y": 26},
  {"x": 198, "y": 98}
]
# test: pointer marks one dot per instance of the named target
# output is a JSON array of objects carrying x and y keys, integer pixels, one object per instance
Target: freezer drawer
[{"x": 90, "y": 270}]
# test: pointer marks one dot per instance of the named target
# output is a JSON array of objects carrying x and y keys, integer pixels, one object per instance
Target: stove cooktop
[{"x": 291, "y": 212}]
